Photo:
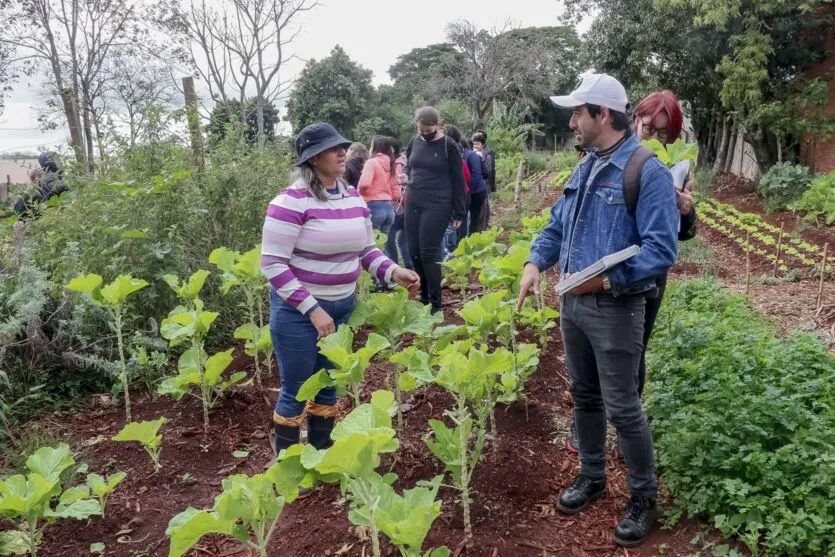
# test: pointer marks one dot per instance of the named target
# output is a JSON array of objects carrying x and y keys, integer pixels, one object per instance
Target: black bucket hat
[{"x": 315, "y": 139}]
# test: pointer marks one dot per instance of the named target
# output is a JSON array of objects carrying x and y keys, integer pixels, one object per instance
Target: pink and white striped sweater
[{"x": 313, "y": 249}]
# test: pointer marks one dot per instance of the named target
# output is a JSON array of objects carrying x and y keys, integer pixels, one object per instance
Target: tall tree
[
  {"x": 69, "y": 41},
  {"x": 224, "y": 113},
  {"x": 335, "y": 89},
  {"x": 239, "y": 47}
]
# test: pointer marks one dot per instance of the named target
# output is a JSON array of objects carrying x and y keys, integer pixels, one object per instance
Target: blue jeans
[
  {"x": 397, "y": 239},
  {"x": 294, "y": 340},
  {"x": 382, "y": 215}
]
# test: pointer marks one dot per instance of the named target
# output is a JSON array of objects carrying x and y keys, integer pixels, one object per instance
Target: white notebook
[{"x": 596, "y": 268}]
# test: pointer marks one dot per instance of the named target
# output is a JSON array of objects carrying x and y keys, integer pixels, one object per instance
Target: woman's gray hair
[{"x": 306, "y": 174}]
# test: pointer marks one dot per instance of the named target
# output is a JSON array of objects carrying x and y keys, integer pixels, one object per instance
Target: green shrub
[
  {"x": 783, "y": 184},
  {"x": 819, "y": 200},
  {"x": 539, "y": 161},
  {"x": 743, "y": 421}
]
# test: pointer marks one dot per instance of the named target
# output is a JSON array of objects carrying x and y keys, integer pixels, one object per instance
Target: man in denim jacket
[{"x": 602, "y": 320}]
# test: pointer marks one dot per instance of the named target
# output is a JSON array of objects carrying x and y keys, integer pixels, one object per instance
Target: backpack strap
[{"x": 632, "y": 177}]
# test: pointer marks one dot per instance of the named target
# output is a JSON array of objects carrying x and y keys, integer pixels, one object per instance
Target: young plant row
[
  {"x": 731, "y": 220},
  {"x": 738, "y": 226},
  {"x": 470, "y": 361}
]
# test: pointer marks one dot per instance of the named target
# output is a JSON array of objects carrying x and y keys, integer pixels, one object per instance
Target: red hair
[{"x": 661, "y": 101}]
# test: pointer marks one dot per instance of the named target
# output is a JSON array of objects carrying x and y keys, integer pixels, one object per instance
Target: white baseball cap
[{"x": 596, "y": 88}]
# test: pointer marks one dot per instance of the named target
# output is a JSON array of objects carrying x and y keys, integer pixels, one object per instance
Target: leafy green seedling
[
  {"x": 243, "y": 272},
  {"x": 348, "y": 373},
  {"x": 113, "y": 299},
  {"x": 147, "y": 434},
  {"x": 469, "y": 374},
  {"x": 191, "y": 322},
  {"x": 392, "y": 316},
  {"x": 27, "y": 500},
  {"x": 102, "y": 487}
]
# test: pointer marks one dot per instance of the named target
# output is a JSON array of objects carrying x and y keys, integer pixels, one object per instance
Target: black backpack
[{"x": 632, "y": 189}]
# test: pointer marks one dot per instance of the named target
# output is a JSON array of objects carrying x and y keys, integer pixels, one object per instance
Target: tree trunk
[
  {"x": 74, "y": 123},
  {"x": 722, "y": 151},
  {"x": 733, "y": 141},
  {"x": 259, "y": 116},
  {"x": 88, "y": 130}
]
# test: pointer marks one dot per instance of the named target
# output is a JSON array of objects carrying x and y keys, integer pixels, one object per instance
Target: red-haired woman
[{"x": 659, "y": 117}]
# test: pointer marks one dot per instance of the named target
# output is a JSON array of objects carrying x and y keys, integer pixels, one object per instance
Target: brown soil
[{"x": 514, "y": 488}]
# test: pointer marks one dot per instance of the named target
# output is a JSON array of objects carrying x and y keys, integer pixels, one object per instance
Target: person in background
[
  {"x": 453, "y": 234},
  {"x": 357, "y": 155},
  {"x": 478, "y": 188},
  {"x": 602, "y": 319},
  {"x": 489, "y": 157},
  {"x": 378, "y": 186},
  {"x": 659, "y": 117},
  {"x": 397, "y": 234},
  {"x": 317, "y": 238},
  {"x": 435, "y": 195}
]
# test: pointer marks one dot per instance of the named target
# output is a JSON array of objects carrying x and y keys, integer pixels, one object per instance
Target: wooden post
[
  {"x": 4, "y": 189},
  {"x": 747, "y": 261},
  {"x": 779, "y": 245},
  {"x": 823, "y": 272},
  {"x": 517, "y": 198},
  {"x": 193, "y": 123}
]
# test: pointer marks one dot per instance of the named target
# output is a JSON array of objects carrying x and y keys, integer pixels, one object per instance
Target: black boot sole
[
  {"x": 629, "y": 543},
  {"x": 569, "y": 511}
]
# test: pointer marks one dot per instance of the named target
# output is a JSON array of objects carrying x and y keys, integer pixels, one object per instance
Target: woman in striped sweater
[{"x": 317, "y": 236}]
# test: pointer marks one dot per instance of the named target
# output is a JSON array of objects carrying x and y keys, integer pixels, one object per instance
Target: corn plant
[
  {"x": 469, "y": 374},
  {"x": 349, "y": 368},
  {"x": 190, "y": 322},
  {"x": 359, "y": 441},
  {"x": 112, "y": 298},
  {"x": 392, "y": 316},
  {"x": 243, "y": 272},
  {"x": 147, "y": 434},
  {"x": 27, "y": 500}
]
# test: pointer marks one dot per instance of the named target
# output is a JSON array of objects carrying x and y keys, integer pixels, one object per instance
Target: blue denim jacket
[{"x": 604, "y": 226}]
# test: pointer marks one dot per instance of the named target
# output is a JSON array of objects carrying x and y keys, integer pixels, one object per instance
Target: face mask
[{"x": 429, "y": 136}]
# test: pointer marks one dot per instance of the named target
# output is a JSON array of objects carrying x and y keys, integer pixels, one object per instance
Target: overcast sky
[{"x": 372, "y": 32}]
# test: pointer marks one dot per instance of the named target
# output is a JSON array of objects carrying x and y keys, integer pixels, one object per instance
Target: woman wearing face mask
[
  {"x": 317, "y": 239},
  {"x": 436, "y": 195}
]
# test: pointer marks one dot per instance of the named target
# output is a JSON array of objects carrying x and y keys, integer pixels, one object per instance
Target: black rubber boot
[
  {"x": 285, "y": 436},
  {"x": 319, "y": 431},
  {"x": 581, "y": 494},
  {"x": 637, "y": 522}
]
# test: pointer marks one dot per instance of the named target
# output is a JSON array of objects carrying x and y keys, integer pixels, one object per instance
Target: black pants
[
  {"x": 652, "y": 307},
  {"x": 477, "y": 214},
  {"x": 603, "y": 339},
  {"x": 425, "y": 227}
]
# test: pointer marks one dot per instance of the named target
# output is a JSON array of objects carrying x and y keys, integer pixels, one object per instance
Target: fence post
[
  {"x": 4, "y": 189},
  {"x": 193, "y": 123}
]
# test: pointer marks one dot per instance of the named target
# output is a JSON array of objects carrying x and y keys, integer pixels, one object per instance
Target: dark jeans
[
  {"x": 425, "y": 226},
  {"x": 294, "y": 340},
  {"x": 603, "y": 338},
  {"x": 653, "y": 306},
  {"x": 478, "y": 201},
  {"x": 397, "y": 239},
  {"x": 382, "y": 218}
]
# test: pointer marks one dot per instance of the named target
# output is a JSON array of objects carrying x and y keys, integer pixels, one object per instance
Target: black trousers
[
  {"x": 425, "y": 227},
  {"x": 478, "y": 201},
  {"x": 652, "y": 307}
]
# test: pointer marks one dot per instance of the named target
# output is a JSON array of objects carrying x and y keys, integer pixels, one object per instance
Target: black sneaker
[
  {"x": 637, "y": 522},
  {"x": 580, "y": 494}
]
